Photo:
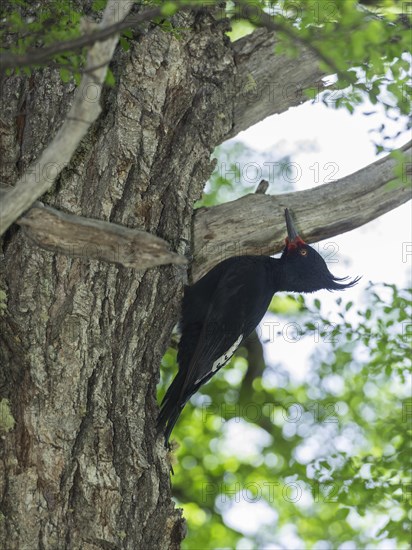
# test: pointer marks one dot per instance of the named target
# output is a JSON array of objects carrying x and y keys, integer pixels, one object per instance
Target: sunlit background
[
  {"x": 322, "y": 145},
  {"x": 228, "y": 469}
]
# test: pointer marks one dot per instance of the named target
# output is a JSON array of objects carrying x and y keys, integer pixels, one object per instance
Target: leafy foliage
[
  {"x": 239, "y": 170},
  {"x": 367, "y": 48},
  {"x": 324, "y": 463},
  {"x": 26, "y": 27}
]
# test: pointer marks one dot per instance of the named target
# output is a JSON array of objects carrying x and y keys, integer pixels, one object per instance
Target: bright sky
[{"x": 380, "y": 251}]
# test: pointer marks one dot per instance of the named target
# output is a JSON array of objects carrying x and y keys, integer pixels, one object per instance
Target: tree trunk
[{"x": 81, "y": 340}]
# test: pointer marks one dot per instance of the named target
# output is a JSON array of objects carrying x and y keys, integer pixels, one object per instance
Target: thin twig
[{"x": 39, "y": 56}]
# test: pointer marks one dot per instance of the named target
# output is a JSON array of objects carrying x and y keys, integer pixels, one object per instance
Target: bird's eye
[{"x": 303, "y": 252}]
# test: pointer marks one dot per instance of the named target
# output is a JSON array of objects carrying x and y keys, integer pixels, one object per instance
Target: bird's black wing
[
  {"x": 221, "y": 334},
  {"x": 195, "y": 307},
  {"x": 239, "y": 303},
  {"x": 223, "y": 328}
]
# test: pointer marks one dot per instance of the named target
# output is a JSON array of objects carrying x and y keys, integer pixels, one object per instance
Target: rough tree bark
[{"x": 81, "y": 340}]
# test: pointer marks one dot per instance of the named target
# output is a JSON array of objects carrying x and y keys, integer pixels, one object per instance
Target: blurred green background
[{"x": 304, "y": 439}]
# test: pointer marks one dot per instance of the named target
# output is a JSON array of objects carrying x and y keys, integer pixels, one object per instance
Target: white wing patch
[{"x": 226, "y": 356}]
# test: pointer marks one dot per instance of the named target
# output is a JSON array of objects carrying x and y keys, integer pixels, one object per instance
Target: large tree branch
[
  {"x": 254, "y": 224},
  {"x": 88, "y": 238},
  {"x": 96, "y": 239},
  {"x": 37, "y": 179},
  {"x": 266, "y": 83},
  {"x": 225, "y": 230}
]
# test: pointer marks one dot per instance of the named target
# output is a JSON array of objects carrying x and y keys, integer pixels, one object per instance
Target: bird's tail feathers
[{"x": 170, "y": 409}]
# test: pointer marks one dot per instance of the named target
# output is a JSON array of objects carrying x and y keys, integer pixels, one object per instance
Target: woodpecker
[{"x": 221, "y": 309}]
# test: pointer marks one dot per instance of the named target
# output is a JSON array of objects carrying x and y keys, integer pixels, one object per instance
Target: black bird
[{"x": 226, "y": 305}]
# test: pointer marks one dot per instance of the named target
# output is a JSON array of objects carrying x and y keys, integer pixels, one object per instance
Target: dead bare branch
[{"x": 95, "y": 239}]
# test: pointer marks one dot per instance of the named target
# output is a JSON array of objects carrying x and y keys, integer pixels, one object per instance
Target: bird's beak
[{"x": 293, "y": 237}]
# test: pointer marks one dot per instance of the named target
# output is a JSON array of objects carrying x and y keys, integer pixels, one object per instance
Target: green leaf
[
  {"x": 77, "y": 78},
  {"x": 342, "y": 513},
  {"x": 124, "y": 43},
  {"x": 99, "y": 5},
  {"x": 65, "y": 75},
  {"x": 169, "y": 8},
  {"x": 110, "y": 79}
]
